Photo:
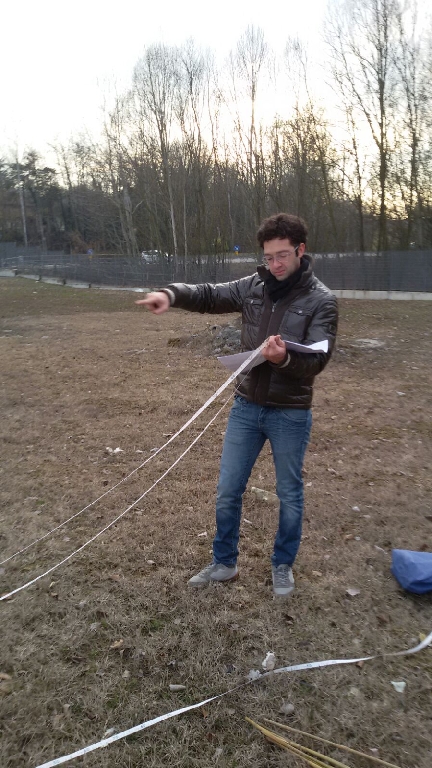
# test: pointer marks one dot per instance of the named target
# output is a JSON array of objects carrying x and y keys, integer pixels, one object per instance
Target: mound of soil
[{"x": 214, "y": 340}]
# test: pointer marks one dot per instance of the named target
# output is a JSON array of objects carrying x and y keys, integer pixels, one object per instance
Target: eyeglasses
[{"x": 281, "y": 257}]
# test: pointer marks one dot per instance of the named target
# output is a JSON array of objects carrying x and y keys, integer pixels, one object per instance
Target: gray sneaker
[
  {"x": 214, "y": 572},
  {"x": 283, "y": 580}
]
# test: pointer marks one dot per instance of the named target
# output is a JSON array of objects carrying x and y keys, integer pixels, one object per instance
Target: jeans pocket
[
  {"x": 296, "y": 424},
  {"x": 296, "y": 415}
]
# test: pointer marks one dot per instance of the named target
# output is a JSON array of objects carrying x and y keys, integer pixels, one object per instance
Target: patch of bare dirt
[{"x": 95, "y": 645}]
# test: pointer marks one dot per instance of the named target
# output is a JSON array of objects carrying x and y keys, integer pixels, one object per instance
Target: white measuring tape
[
  {"x": 124, "y": 479},
  {"x": 293, "y": 668},
  {"x": 230, "y": 379},
  {"x": 131, "y": 506}
]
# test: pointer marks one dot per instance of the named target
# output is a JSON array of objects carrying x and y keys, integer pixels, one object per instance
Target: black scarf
[{"x": 276, "y": 289}]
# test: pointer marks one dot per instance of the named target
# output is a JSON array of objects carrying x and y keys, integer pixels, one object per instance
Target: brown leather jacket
[{"x": 308, "y": 313}]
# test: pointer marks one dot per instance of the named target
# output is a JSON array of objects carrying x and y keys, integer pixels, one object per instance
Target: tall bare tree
[
  {"x": 156, "y": 80},
  {"x": 413, "y": 108},
  {"x": 247, "y": 65},
  {"x": 362, "y": 37}
]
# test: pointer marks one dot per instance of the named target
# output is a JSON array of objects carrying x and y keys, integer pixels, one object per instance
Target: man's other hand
[
  {"x": 157, "y": 302},
  {"x": 275, "y": 350}
]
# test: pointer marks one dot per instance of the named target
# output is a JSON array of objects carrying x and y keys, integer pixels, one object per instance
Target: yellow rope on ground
[
  {"x": 332, "y": 744},
  {"x": 296, "y": 749},
  {"x": 312, "y": 752}
]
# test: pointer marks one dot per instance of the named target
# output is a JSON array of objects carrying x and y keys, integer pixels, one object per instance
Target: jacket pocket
[
  {"x": 295, "y": 323},
  {"x": 252, "y": 311}
]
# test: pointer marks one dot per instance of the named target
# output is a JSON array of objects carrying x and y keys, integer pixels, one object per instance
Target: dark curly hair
[{"x": 282, "y": 225}]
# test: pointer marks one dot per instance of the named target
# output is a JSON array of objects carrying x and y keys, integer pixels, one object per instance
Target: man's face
[{"x": 282, "y": 257}]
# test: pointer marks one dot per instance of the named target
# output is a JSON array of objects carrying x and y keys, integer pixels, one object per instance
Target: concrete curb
[
  {"x": 392, "y": 295},
  {"x": 73, "y": 284}
]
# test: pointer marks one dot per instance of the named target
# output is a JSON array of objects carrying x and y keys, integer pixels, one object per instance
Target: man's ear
[{"x": 301, "y": 249}]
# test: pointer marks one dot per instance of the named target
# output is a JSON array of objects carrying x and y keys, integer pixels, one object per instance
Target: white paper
[{"x": 232, "y": 362}]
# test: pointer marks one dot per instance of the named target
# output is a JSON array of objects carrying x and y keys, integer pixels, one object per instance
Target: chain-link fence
[
  {"x": 127, "y": 272},
  {"x": 389, "y": 271}
]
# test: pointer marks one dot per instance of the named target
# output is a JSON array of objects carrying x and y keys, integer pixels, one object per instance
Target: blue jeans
[{"x": 249, "y": 426}]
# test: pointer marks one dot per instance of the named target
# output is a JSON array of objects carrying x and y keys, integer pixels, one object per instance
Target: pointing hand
[{"x": 157, "y": 302}]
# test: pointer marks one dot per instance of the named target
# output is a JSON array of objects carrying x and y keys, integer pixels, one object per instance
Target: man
[{"x": 283, "y": 300}]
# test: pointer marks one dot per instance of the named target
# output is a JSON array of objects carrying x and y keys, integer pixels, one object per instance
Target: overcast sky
[{"x": 58, "y": 60}]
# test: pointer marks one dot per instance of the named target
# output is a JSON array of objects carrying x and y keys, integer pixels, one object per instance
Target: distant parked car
[{"x": 153, "y": 257}]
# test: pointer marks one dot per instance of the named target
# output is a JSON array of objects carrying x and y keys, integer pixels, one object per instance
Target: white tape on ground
[
  {"x": 294, "y": 668},
  {"x": 123, "y": 734},
  {"x": 8, "y": 595},
  {"x": 154, "y": 454}
]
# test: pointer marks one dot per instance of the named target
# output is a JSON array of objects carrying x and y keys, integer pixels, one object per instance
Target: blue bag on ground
[{"x": 413, "y": 570}]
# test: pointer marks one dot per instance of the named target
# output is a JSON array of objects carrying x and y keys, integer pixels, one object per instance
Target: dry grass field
[{"x": 95, "y": 646}]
